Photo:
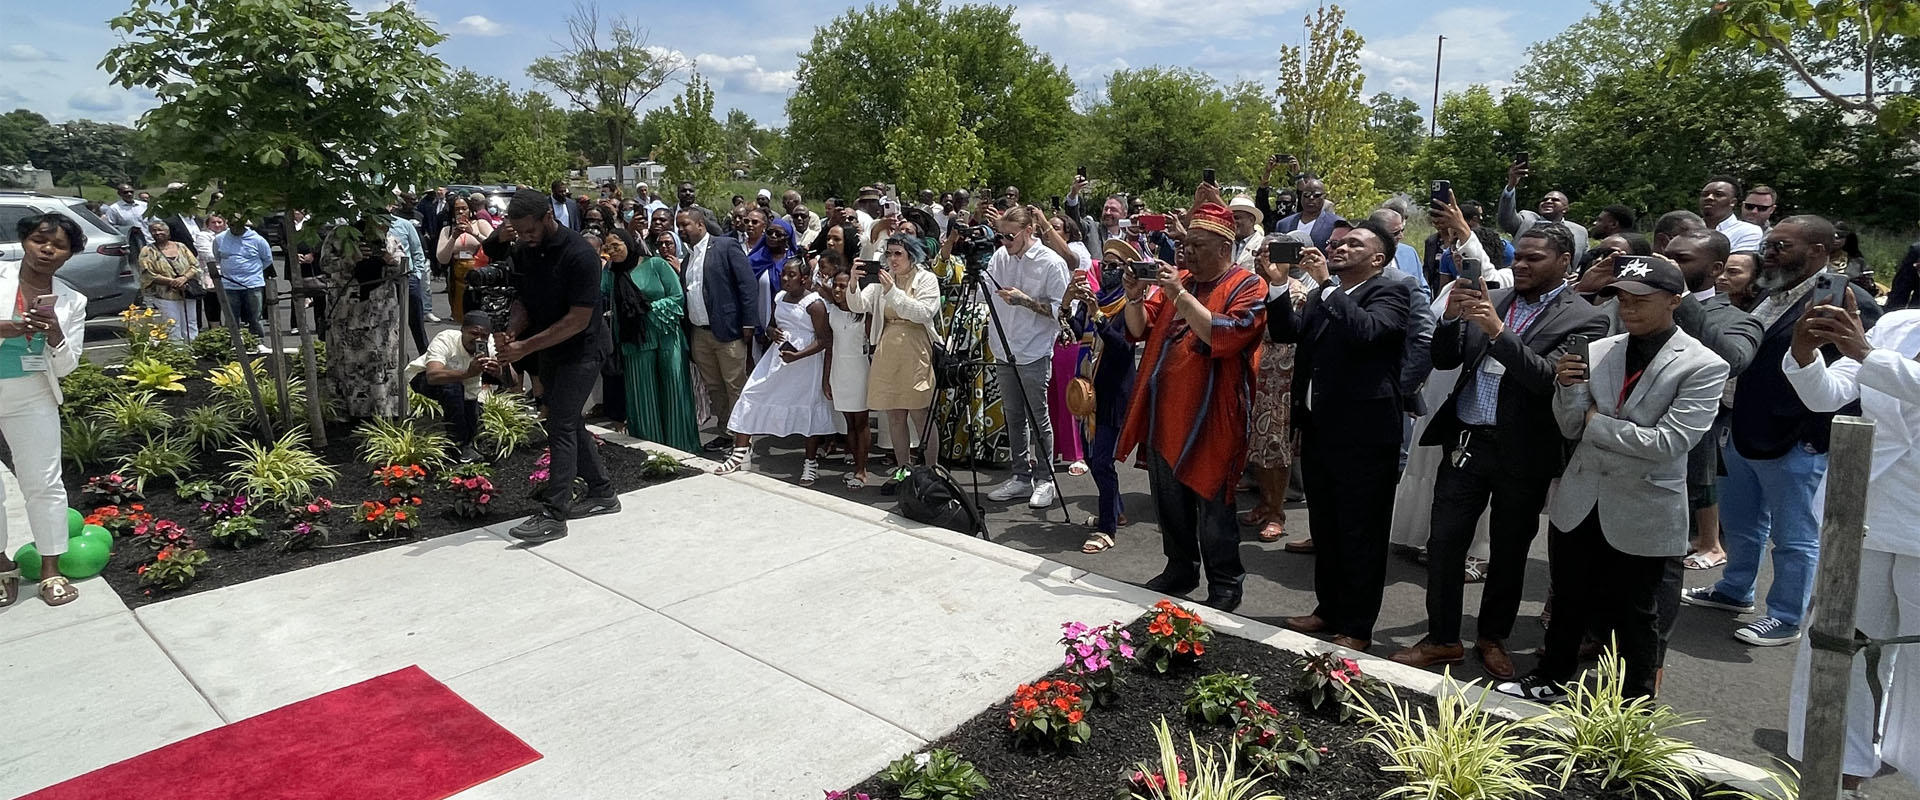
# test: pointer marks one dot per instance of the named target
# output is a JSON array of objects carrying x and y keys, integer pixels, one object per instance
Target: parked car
[{"x": 104, "y": 272}]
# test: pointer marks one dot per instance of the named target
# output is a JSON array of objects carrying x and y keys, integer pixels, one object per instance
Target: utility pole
[{"x": 1433, "y": 119}]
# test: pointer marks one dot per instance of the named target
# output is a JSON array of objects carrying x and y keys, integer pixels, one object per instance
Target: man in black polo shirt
[{"x": 556, "y": 313}]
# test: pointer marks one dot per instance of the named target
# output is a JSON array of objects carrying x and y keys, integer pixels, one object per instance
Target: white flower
[{"x": 920, "y": 760}]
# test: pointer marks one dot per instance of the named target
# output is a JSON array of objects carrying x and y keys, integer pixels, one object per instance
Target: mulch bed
[
  {"x": 226, "y": 566},
  {"x": 1123, "y": 737}
]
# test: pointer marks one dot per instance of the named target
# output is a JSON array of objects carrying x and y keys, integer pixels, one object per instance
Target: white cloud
[
  {"x": 744, "y": 73},
  {"x": 26, "y": 52},
  {"x": 1481, "y": 48},
  {"x": 476, "y": 25},
  {"x": 96, "y": 99}
]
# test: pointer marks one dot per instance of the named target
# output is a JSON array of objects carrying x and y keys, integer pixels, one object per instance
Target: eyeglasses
[
  {"x": 1755, "y": 207},
  {"x": 1312, "y": 195},
  {"x": 1775, "y": 244}
]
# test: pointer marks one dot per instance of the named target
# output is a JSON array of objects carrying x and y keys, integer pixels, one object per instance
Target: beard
[{"x": 1776, "y": 277}]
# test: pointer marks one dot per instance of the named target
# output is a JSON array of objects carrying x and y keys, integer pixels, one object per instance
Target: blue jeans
[{"x": 1778, "y": 498}]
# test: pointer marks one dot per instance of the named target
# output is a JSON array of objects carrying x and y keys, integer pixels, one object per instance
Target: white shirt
[
  {"x": 1741, "y": 234},
  {"x": 696, "y": 282},
  {"x": 1705, "y": 294},
  {"x": 1888, "y": 386},
  {"x": 125, "y": 214},
  {"x": 1040, "y": 273},
  {"x": 448, "y": 351}
]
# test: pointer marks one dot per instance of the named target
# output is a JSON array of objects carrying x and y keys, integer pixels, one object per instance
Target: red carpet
[{"x": 401, "y": 736}]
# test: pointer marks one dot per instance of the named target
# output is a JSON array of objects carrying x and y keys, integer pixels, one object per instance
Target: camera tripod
[{"x": 965, "y": 367}]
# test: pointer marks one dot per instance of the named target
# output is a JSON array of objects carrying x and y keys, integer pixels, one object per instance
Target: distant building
[{"x": 648, "y": 171}]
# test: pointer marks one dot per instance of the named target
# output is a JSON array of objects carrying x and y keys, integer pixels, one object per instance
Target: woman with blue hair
[{"x": 905, "y": 297}]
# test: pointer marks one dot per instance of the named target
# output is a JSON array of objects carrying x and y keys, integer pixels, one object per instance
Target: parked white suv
[{"x": 104, "y": 271}]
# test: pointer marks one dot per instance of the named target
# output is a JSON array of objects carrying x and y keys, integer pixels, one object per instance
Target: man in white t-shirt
[
  {"x": 1025, "y": 283},
  {"x": 450, "y": 372},
  {"x": 1718, "y": 200}
]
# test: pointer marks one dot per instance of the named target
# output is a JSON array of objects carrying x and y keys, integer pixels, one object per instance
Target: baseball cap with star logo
[{"x": 1646, "y": 275}]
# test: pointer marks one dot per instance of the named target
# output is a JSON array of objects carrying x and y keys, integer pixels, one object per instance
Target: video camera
[{"x": 976, "y": 246}]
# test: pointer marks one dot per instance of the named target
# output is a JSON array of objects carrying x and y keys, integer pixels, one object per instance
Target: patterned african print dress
[
  {"x": 363, "y": 327},
  {"x": 977, "y": 403}
]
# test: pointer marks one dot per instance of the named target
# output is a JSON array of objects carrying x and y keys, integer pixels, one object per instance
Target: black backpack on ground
[{"x": 930, "y": 495}]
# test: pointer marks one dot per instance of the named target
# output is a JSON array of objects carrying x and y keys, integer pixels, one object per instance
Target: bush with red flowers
[
  {"x": 1174, "y": 632},
  {"x": 472, "y": 493},
  {"x": 397, "y": 517},
  {"x": 1268, "y": 743},
  {"x": 309, "y": 529},
  {"x": 1328, "y": 680},
  {"x": 402, "y": 479},
  {"x": 1050, "y": 713},
  {"x": 172, "y": 568},
  {"x": 118, "y": 520},
  {"x": 159, "y": 534}
]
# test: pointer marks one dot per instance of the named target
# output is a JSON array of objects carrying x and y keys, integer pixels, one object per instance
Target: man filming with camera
[
  {"x": 1025, "y": 280},
  {"x": 1191, "y": 397}
]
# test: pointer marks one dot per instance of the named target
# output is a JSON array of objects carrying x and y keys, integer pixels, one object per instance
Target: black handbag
[{"x": 930, "y": 495}]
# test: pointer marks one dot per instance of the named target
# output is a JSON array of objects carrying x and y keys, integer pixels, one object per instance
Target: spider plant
[
  {"x": 386, "y": 443},
  {"x": 210, "y": 427},
  {"x": 1621, "y": 743},
  {"x": 1460, "y": 754},
  {"x": 420, "y": 406},
  {"x": 85, "y": 442},
  {"x": 166, "y": 457},
  {"x": 137, "y": 414},
  {"x": 507, "y": 423},
  {"x": 282, "y": 473},
  {"x": 230, "y": 390},
  {"x": 1213, "y": 777}
]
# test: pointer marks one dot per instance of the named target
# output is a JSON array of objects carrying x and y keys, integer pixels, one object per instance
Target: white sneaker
[
  {"x": 260, "y": 350},
  {"x": 1042, "y": 495},
  {"x": 1015, "y": 486},
  {"x": 433, "y": 318}
]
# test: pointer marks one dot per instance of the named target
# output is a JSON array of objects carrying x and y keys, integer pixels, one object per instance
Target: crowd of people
[{"x": 1663, "y": 397}]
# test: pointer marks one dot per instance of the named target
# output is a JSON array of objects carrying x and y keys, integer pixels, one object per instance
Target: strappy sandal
[
  {"x": 809, "y": 471},
  {"x": 1077, "y": 468},
  {"x": 1272, "y": 532},
  {"x": 1097, "y": 542},
  {"x": 1476, "y": 570},
  {"x": 9, "y": 587},
  {"x": 736, "y": 461},
  {"x": 856, "y": 481},
  {"x": 58, "y": 591},
  {"x": 1699, "y": 561},
  {"x": 1257, "y": 516}
]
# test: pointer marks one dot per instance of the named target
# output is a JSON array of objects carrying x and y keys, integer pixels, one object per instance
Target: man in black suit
[
  {"x": 1348, "y": 407},
  {"x": 1906, "y": 281},
  {"x": 566, "y": 210},
  {"x": 435, "y": 211},
  {"x": 1734, "y": 336},
  {"x": 1500, "y": 439},
  {"x": 723, "y": 312}
]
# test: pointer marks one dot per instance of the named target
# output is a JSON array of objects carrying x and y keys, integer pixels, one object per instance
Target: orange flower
[
  {"x": 399, "y": 516},
  {"x": 1063, "y": 704},
  {"x": 1029, "y": 705},
  {"x": 1159, "y": 627},
  {"x": 1180, "y": 646},
  {"x": 1074, "y": 717},
  {"x": 1199, "y": 649},
  {"x": 1013, "y": 724}
]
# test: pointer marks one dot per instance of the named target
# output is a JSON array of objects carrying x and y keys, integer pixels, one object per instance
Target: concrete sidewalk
[{"x": 721, "y": 637}]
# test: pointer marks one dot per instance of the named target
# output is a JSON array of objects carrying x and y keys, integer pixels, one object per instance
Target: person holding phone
[
  {"x": 1111, "y": 368},
  {"x": 1025, "y": 282},
  {"x": 904, "y": 302},
  {"x": 1188, "y": 414},
  {"x": 1498, "y": 438},
  {"x": 42, "y": 330},
  {"x": 1552, "y": 209},
  {"x": 1271, "y": 440}
]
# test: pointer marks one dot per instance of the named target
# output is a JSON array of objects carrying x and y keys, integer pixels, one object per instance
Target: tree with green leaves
[
  {"x": 851, "y": 95},
  {"x": 692, "y": 144},
  {"x": 1466, "y": 152},
  {"x": 1617, "y": 36},
  {"x": 1395, "y": 129},
  {"x": 501, "y": 136},
  {"x": 1323, "y": 121},
  {"x": 1816, "y": 40},
  {"x": 609, "y": 76},
  {"x": 318, "y": 107},
  {"x": 1156, "y": 129},
  {"x": 21, "y": 133},
  {"x": 932, "y": 149}
]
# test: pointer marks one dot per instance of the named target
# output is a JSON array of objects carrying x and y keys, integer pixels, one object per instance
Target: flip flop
[
  {"x": 1272, "y": 532},
  {"x": 1077, "y": 468},
  {"x": 1703, "y": 561},
  {"x": 1097, "y": 543},
  {"x": 856, "y": 481}
]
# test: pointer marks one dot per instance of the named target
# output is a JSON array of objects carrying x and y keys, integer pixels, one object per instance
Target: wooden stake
[{"x": 1849, "y": 468}]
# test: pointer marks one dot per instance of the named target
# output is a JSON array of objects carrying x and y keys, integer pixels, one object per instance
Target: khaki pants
[{"x": 723, "y": 367}]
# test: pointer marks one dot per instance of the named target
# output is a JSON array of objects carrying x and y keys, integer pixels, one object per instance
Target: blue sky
[{"x": 749, "y": 49}]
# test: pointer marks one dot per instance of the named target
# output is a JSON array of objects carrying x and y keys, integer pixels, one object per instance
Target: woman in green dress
[{"x": 647, "y": 308}]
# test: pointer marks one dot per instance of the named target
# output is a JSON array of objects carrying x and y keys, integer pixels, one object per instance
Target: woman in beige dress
[{"x": 907, "y": 298}]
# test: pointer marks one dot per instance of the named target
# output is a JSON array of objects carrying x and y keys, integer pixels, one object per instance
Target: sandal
[
  {"x": 809, "y": 471},
  {"x": 1077, "y": 468},
  {"x": 1257, "y": 516},
  {"x": 736, "y": 461},
  {"x": 1273, "y": 532},
  {"x": 1098, "y": 542},
  {"x": 58, "y": 591},
  {"x": 1476, "y": 570},
  {"x": 9, "y": 587},
  {"x": 856, "y": 481},
  {"x": 1704, "y": 561}
]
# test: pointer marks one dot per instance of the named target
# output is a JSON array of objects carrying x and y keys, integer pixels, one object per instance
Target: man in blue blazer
[{"x": 722, "y": 312}]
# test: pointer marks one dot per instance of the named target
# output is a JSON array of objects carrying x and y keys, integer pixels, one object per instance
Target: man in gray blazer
[{"x": 1620, "y": 514}]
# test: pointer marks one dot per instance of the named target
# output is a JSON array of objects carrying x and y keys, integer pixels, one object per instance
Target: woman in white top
[
  {"x": 787, "y": 393},
  {"x": 459, "y": 244},
  {"x": 904, "y": 299},
  {"x": 848, "y": 386},
  {"x": 42, "y": 328}
]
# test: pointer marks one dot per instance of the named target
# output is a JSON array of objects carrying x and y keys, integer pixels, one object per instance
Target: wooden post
[
  {"x": 400, "y": 342},
  {"x": 1849, "y": 468},
  {"x": 304, "y": 317}
]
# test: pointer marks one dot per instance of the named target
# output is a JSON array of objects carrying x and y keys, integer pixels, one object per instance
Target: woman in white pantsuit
[{"x": 39, "y": 342}]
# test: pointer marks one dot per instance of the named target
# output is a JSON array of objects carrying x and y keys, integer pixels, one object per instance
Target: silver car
[{"x": 104, "y": 271}]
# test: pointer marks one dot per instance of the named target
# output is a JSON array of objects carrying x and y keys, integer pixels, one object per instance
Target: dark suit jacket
[
  {"x": 1732, "y": 334},
  {"x": 573, "y": 212},
  {"x": 1350, "y": 350},
  {"x": 730, "y": 290},
  {"x": 1524, "y": 404},
  {"x": 1768, "y": 419},
  {"x": 435, "y": 214}
]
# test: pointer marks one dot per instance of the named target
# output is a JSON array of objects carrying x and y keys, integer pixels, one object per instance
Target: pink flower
[{"x": 486, "y": 498}]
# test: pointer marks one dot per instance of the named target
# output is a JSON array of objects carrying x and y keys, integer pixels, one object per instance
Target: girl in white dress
[
  {"x": 786, "y": 394},
  {"x": 848, "y": 384}
]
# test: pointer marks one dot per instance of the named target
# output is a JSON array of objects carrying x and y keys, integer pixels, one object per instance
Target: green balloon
[
  {"x": 96, "y": 530},
  {"x": 86, "y": 556},
  {"x": 93, "y": 534},
  {"x": 28, "y": 557},
  {"x": 75, "y": 522}
]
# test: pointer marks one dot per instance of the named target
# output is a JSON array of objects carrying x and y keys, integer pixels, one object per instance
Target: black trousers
[
  {"x": 1195, "y": 530},
  {"x": 1350, "y": 514},
  {"x": 1594, "y": 584},
  {"x": 1460, "y": 494},
  {"x": 569, "y": 381},
  {"x": 462, "y": 412}
]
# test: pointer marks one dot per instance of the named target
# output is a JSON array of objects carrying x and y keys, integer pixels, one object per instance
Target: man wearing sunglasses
[
  {"x": 1313, "y": 215},
  {"x": 1553, "y": 208},
  {"x": 1759, "y": 205},
  {"x": 1717, "y": 200}
]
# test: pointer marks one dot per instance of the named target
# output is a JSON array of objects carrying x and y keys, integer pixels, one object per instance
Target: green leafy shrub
[
  {"x": 200, "y": 492},
  {"x": 83, "y": 389},
  {"x": 86, "y": 443},
  {"x": 238, "y": 532},
  {"x": 216, "y": 344},
  {"x": 420, "y": 406},
  {"x": 507, "y": 423},
  {"x": 1460, "y": 754},
  {"x": 385, "y": 441},
  {"x": 210, "y": 427},
  {"x": 659, "y": 466},
  {"x": 936, "y": 775},
  {"x": 173, "y": 568},
  {"x": 1213, "y": 697},
  {"x": 137, "y": 414},
  {"x": 1268, "y": 743},
  {"x": 230, "y": 390},
  {"x": 295, "y": 365},
  {"x": 169, "y": 457},
  {"x": 282, "y": 473},
  {"x": 1620, "y": 743},
  {"x": 152, "y": 374}
]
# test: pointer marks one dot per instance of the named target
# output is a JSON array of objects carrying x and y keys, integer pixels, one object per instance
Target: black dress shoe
[
  {"x": 1167, "y": 584},
  {"x": 718, "y": 444},
  {"x": 1225, "y": 600}
]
